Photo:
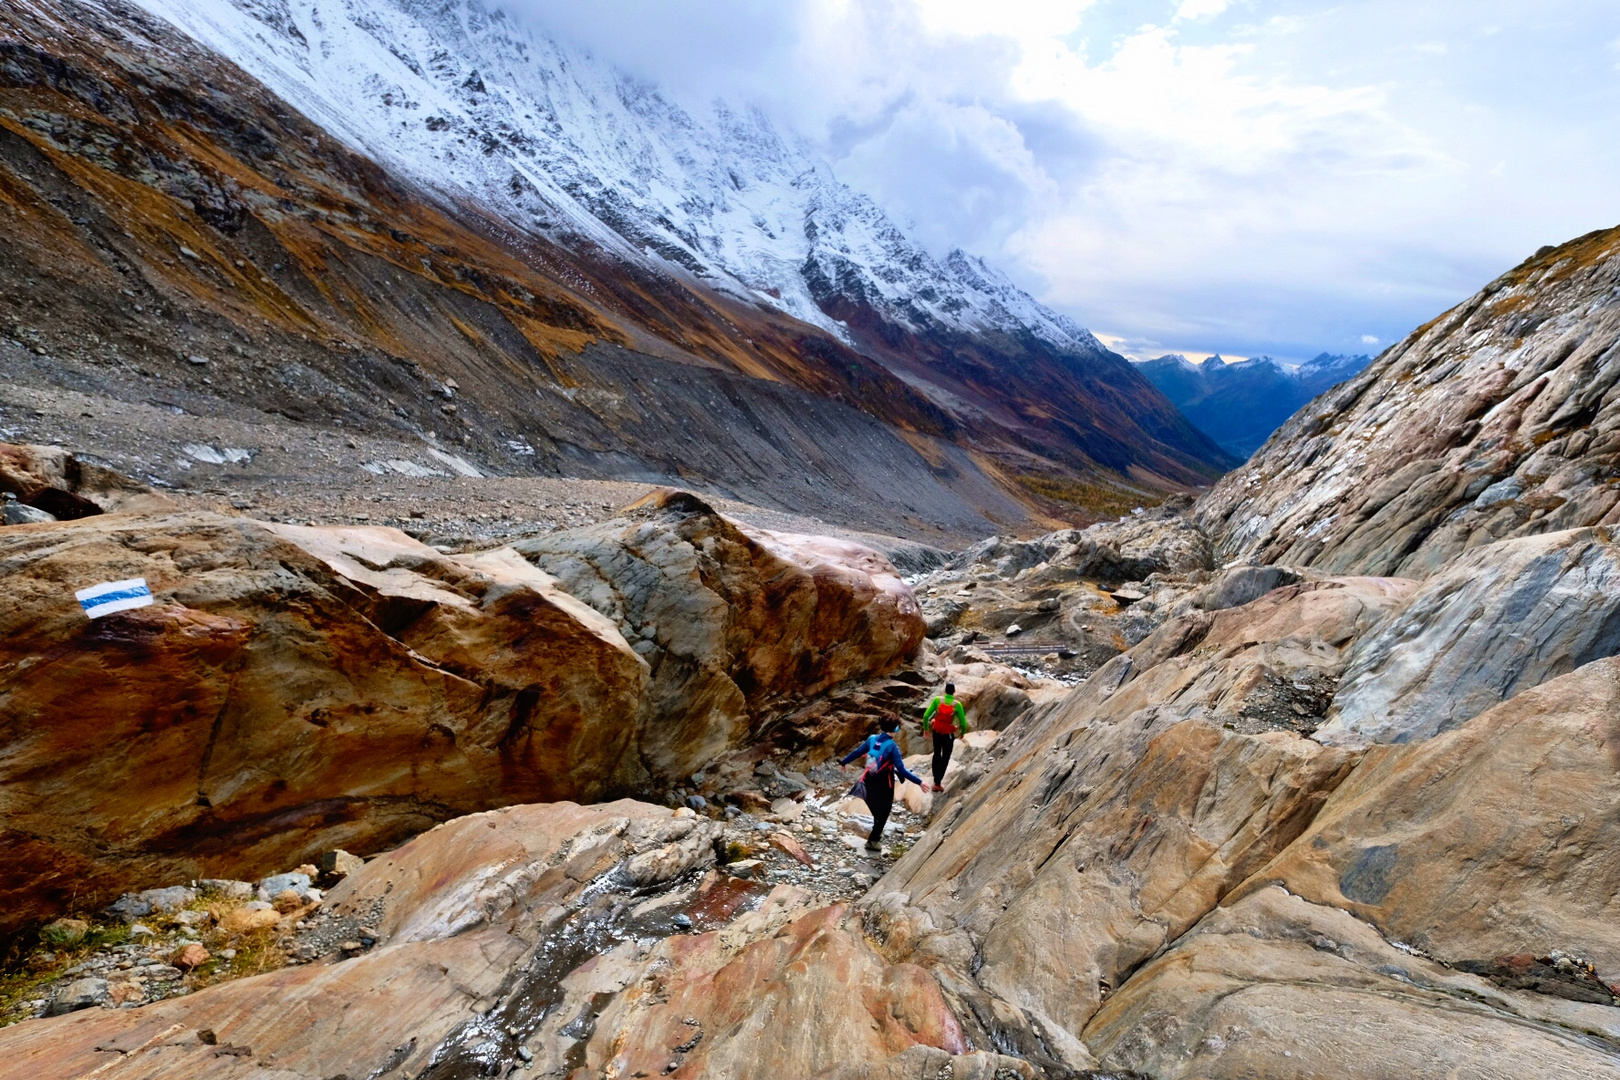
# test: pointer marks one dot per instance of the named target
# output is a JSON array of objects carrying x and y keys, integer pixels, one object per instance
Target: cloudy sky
[{"x": 1234, "y": 176}]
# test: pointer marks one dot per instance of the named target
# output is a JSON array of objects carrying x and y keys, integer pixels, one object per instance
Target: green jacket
[{"x": 961, "y": 712}]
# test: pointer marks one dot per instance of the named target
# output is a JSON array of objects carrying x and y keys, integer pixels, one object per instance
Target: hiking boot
[{"x": 873, "y": 847}]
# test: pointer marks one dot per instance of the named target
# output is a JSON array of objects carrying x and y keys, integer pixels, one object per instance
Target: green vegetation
[{"x": 1101, "y": 500}]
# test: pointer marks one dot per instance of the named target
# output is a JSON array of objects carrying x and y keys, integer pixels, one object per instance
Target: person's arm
[
  {"x": 855, "y": 753},
  {"x": 933, "y": 707},
  {"x": 961, "y": 717},
  {"x": 900, "y": 764}
]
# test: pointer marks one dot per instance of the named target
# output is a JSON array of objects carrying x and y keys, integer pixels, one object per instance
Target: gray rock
[
  {"x": 1498, "y": 620},
  {"x": 78, "y": 994},
  {"x": 273, "y": 886},
  {"x": 226, "y": 889},
  {"x": 163, "y": 973},
  {"x": 168, "y": 900},
  {"x": 1243, "y": 585},
  {"x": 128, "y": 908},
  {"x": 17, "y": 513},
  {"x": 697, "y": 802}
]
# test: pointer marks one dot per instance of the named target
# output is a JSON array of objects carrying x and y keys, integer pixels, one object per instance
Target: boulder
[
  {"x": 292, "y": 689},
  {"x": 246, "y": 920},
  {"x": 84, "y": 993},
  {"x": 1496, "y": 621},
  {"x": 735, "y": 622},
  {"x": 17, "y": 513},
  {"x": 167, "y": 901},
  {"x": 276, "y": 884},
  {"x": 339, "y": 864},
  {"x": 65, "y": 487},
  {"x": 1496, "y": 839}
]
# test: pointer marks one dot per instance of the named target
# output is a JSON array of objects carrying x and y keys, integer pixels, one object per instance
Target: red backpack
[{"x": 945, "y": 717}]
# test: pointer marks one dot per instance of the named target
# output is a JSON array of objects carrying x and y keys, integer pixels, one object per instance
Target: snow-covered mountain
[
  {"x": 1240, "y": 404},
  {"x": 470, "y": 103}
]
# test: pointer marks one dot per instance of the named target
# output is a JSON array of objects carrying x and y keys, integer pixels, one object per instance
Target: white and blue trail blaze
[{"x": 114, "y": 596}]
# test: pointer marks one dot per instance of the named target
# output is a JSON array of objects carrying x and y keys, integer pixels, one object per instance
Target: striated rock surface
[
  {"x": 470, "y": 900},
  {"x": 1277, "y": 986},
  {"x": 1495, "y": 621},
  {"x": 61, "y": 484},
  {"x": 1101, "y": 829},
  {"x": 1499, "y": 419},
  {"x": 535, "y": 934},
  {"x": 733, "y": 621},
  {"x": 1496, "y": 839}
]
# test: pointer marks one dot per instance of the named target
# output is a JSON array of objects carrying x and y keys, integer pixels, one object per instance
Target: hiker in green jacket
[{"x": 946, "y": 719}]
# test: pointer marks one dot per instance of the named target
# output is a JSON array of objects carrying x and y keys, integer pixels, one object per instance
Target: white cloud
[
  {"x": 1369, "y": 339},
  {"x": 1196, "y": 176},
  {"x": 1199, "y": 9}
]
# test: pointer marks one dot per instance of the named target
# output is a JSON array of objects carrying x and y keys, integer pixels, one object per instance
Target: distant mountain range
[{"x": 1240, "y": 404}]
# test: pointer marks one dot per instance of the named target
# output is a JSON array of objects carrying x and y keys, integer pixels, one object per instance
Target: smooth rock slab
[{"x": 1496, "y": 621}]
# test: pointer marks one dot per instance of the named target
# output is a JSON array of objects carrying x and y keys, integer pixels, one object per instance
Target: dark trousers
[
  {"x": 943, "y": 745},
  {"x": 879, "y": 800}
]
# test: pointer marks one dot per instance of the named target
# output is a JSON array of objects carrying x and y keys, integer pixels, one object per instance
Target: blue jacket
[{"x": 887, "y": 754}]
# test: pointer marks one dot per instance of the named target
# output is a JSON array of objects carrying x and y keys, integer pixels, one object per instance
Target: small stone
[
  {"x": 1014, "y": 630},
  {"x": 78, "y": 994},
  {"x": 287, "y": 900},
  {"x": 745, "y": 868},
  {"x": 271, "y": 886},
  {"x": 17, "y": 513},
  {"x": 791, "y": 847},
  {"x": 683, "y": 921},
  {"x": 339, "y": 864},
  {"x": 351, "y": 946},
  {"x": 697, "y": 802},
  {"x": 525, "y": 1053},
  {"x": 142, "y": 930},
  {"x": 226, "y": 889},
  {"x": 168, "y": 900},
  {"x": 1050, "y": 604},
  {"x": 191, "y": 957},
  {"x": 65, "y": 931},
  {"x": 200, "y": 361},
  {"x": 227, "y": 954},
  {"x": 308, "y": 870},
  {"x": 164, "y": 972}
]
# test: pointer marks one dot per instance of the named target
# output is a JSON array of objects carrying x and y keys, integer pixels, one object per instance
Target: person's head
[
  {"x": 950, "y": 689},
  {"x": 888, "y": 725}
]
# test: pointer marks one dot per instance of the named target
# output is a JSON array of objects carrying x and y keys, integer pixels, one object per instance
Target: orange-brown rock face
[
  {"x": 291, "y": 689},
  {"x": 296, "y": 689}
]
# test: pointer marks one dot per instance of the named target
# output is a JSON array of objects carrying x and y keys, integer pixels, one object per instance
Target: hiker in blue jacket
[{"x": 883, "y": 757}]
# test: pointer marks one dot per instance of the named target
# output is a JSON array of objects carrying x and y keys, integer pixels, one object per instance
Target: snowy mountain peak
[{"x": 467, "y": 102}]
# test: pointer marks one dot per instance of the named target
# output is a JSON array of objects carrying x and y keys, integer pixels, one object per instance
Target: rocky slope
[
  {"x": 1495, "y": 420},
  {"x": 177, "y": 237},
  {"x": 1239, "y": 404}
]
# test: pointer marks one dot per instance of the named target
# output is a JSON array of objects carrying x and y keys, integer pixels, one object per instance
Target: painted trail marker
[{"x": 114, "y": 596}]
